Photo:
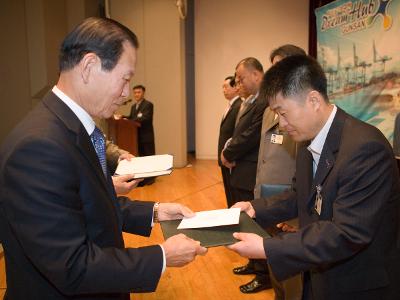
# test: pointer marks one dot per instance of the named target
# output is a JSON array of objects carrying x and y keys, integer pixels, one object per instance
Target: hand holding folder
[
  {"x": 146, "y": 166},
  {"x": 214, "y": 236}
]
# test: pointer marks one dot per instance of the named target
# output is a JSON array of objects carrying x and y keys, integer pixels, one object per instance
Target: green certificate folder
[{"x": 214, "y": 236}]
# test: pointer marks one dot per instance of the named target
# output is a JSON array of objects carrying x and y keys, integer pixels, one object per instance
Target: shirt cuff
[{"x": 164, "y": 265}]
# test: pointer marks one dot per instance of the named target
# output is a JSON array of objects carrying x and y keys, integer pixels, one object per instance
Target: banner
[{"x": 359, "y": 50}]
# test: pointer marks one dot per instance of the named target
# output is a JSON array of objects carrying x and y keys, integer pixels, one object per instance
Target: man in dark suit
[
  {"x": 276, "y": 165},
  {"x": 142, "y": 114},
  {"x": 60, "y": 220},
  {"x": 240, "y": 153},
  {"x": 346, "y": 195},
  {"x": 226, "y": 128}
]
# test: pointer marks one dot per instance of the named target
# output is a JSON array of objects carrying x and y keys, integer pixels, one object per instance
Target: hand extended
[
  {"x": 173, "y": 211},
  {"x": 250, "y": 245},
  {"x": 126, "y": 156},
  {"x": 181, "y": 250},
  {"x": 121, "y": 184},
  {"x": 246, "y": 207},
  {"x": 286, "y": 227}
]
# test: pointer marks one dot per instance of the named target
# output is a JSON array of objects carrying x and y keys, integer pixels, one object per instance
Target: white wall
[
  {"x": 160, "y": 67},
  {"x": 227, "y": 31}
]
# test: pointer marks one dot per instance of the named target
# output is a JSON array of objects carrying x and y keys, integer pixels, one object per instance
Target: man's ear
[
  {"x": 258, "y": 75},
  {"x": 315, "y": 99},
  {"x": 87, "y": 66}
]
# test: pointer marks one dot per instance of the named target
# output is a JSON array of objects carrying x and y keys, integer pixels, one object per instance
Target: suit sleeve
[
  {"x": 364, "y": 187},
  {"x": 46, "y": 216},
  {"x": 276, "y": 209},
  {"x": 137, "y": 216},
  {"x": 249, "y": 138}
]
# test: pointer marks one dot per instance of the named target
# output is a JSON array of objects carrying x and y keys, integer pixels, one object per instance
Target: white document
[
  {"x": 146, "y": 166},
  {"x": 212, "y": 218}
]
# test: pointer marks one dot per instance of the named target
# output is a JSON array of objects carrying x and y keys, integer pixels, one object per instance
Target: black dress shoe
[
  {"x": 255, "y": 286},
  {"x": 244, "y": 270}
]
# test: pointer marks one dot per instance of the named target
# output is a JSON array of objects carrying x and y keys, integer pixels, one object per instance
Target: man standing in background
[
  {"x": 142, "y": 115},
  {"x": 226, "y": 128},
  {"x": 241, "y": 152}
]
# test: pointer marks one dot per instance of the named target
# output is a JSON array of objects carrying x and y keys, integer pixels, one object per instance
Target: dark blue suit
[
  {"x": 60, "y": 220},
  {"x": 351, "y": 250}
]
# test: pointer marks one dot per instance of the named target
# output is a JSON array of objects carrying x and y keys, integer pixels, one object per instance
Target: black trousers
[
  {"x": 227, "y": 185},
  {"x": 260, "y": 268},
  {"x": 146, "y": 149},
  {"x": 241, "y": 195}
]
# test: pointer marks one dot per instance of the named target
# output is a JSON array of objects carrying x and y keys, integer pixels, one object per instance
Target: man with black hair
[
  {"x": 142, "y": 115},
  {"x": 346, "y": 194},
  {"x": 226, "y": 128},
  {"x": 61, "y": 222},
  {"x": 240, "y": 152}
]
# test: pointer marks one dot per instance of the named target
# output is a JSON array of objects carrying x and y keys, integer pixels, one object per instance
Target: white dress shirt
[
  {"x": 317, "y": 144},
  {"x": 83, "y": 116}
]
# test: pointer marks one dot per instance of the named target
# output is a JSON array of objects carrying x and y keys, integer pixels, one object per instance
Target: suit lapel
[
  {"x": 226, "y": 115},
  {"x": 329, "y": 152},
  {"x": 83, "y": 141},
  {"x": 140, "y": 105},
  {"x": 305, "y": 165},
  {"x": 248, "y": 108},
  {"x": 269, "y": 120},
  {"x": 234, "y": 104}
]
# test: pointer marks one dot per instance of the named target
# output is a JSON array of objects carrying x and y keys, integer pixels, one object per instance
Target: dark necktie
[
  {"x": 99, "y": 144},
  {"x": 242, "y": 109}
]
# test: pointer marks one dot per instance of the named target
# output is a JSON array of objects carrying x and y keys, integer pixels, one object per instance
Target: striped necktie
[{"x": 99, "y": 144}]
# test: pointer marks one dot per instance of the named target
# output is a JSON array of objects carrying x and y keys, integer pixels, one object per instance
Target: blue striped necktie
[{"x": 99, "y": 144}]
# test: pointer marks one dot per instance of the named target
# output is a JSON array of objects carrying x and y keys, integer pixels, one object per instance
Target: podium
[{"x": 124, "y": 134}]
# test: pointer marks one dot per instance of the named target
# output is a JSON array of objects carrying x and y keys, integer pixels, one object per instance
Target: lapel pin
[{"x": 328, "y": 163}]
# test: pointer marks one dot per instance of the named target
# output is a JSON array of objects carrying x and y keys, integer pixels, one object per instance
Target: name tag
[
  {"x": 277, "y": 139},
  {"x": 139, "y": 115}
]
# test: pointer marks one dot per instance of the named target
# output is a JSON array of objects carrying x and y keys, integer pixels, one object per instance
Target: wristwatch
[{"x": 155, "y": 212}]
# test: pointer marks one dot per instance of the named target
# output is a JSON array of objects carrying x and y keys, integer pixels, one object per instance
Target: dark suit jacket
[
  {"x": 396, "y": 136},
  {"x": 144, "y": 115},
  {"x": 244, "y": 146},
  {"x": 227, "y": 127},
  {"x": 351, "y": 250},
  {"x": 60, "y": 220}
]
